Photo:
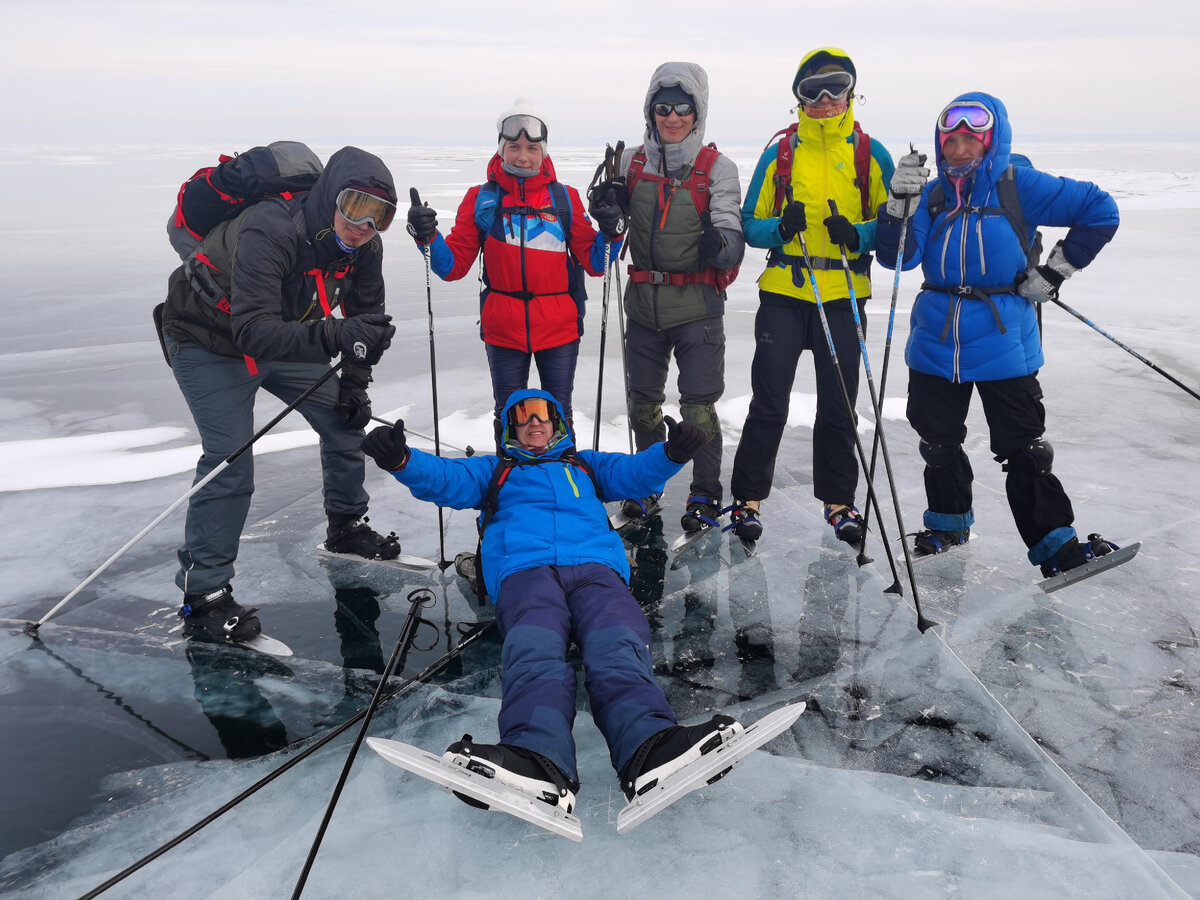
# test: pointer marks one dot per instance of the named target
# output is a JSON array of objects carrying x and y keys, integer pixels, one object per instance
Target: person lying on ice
[{"x": 558, "y": 574}]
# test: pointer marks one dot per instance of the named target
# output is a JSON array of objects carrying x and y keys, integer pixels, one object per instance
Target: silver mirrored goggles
[
  {"x": 531, "y": 126},
  {"x": 834, "y": 85},
  {"x": 359, "y": 208}
]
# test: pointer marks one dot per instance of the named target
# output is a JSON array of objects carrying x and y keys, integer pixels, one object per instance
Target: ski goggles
[
  {"x": 531, "y": 126},
  {"x": 970, "y": 115},
  {"x": 359, "y": 208},
  {"x": 834, "y": 85},
  {"x": 524, "y": 411},
  {"x": 680, "y": 109}
]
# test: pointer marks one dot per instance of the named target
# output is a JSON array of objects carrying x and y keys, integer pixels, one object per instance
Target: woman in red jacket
[{"x": 537, "y": 243}]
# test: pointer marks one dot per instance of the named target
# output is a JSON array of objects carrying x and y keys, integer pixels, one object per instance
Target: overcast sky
[{"x": 423, "y": 71}]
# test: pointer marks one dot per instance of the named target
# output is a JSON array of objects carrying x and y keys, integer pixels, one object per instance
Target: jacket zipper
[
  {"x": 524, "y": 285},
  {"x": 574, "y": 487}
]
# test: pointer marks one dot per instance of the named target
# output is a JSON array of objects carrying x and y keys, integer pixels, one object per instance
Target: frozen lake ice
[{"x": 1033, "y": 744}]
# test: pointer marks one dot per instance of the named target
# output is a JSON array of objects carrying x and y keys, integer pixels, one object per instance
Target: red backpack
[
  {"x": 697, "y": 183},
  {"x": 784, "y": 151}
]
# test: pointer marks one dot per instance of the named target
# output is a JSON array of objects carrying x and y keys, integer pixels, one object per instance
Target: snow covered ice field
[{"x": 1032, "y": 744}]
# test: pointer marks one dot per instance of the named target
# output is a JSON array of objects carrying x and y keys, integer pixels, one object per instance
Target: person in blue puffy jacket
[
  {"x": 974, "y": 324},
  {"x": 558, "y": 574}
]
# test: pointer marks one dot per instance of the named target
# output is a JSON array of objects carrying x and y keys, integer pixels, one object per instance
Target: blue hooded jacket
[
  {"x": 547, "y": 512},
  {"x": 959, "y": 338}
]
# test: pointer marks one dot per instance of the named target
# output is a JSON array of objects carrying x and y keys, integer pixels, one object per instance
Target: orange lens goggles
[
  {"x": 359, "y": 208},
  {"x": 526, "y": 410}
]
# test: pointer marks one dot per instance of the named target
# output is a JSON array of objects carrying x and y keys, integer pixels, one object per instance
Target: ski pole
[
  {"x": 1086, "y": 321},
  {"x": 603, "y": 334},
  {"x": 624, "y": 358},
  {"x": 469, "y": 637},
  {"x": 923, "y": 624},
  {"x": 32, "y": 627},
  {"x": 466, "y": 451},
  {"x": 417, "y": 599},
  {"x": 887, "y": 347},
  {"x": 894, "y": 588},
  {"x": 427, "y": 252}
]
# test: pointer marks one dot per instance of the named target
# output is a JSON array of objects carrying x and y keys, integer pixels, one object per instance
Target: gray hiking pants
[
  {"x": 220, "y": 394},
  {"x": 699, "y": 349}
]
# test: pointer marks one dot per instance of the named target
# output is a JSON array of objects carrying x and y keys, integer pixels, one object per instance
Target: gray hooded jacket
[{"x": 671, "y": 246}]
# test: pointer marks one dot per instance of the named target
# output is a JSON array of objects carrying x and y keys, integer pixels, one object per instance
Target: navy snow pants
[{"x": 540, "y": 612}]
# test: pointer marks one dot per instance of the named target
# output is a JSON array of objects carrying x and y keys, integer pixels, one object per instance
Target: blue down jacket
[
  {"x": 965, "y": 339},
  {"x": 547, "y": 512}
]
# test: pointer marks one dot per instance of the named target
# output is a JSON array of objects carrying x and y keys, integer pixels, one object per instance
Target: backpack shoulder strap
[
  {"x": 491, "y": 501},
  {"x": 785, "y": 150},
  {"x": 862, "y": 169},
  {"x": 486, "y": 202},
  {"x": 561, "y": 201},
  {"x": 636, "y": 165},
  {"x": 701, "y": 175},
  {"x": 1010, "y": 203}
]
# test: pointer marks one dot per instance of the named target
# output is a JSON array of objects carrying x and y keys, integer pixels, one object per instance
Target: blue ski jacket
[
  {"x": 989, "y": 334},
  {"x": 547, "y": 512}
]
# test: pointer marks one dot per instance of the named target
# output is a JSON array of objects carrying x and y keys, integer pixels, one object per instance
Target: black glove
[
  {"x": 683, "y": 439},
  {"x": 362, "y": 338},
  {"x": 609, "y": 218},
  {"x": 842, "y": 232},
  {"x": 710, "y": 239},
  {"x": 353, "y": 402},
  {"x": 792, "y": 221},
  {"x": 387, "y": 446},
  {"x": 422, "y": 221}
]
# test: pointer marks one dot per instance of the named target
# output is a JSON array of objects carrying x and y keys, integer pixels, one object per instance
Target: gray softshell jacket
[{"x": 668, "y": 242}]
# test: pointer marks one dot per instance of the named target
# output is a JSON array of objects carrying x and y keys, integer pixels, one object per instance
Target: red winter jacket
[{"x": 525, "y": 305}]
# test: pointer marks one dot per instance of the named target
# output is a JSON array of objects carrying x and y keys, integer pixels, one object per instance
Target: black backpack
[{"x": 217, "y": 193}]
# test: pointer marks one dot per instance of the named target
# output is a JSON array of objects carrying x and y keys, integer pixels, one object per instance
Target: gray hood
[{"x": 693, "y": 79}]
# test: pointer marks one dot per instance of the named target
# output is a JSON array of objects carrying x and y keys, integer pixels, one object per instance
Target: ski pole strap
[
  {"x": 649, "y": 276},
  {"x": 970, "y": 292}
]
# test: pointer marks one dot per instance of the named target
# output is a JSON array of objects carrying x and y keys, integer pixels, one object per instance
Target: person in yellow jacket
[{"x": 823, "y": 157}]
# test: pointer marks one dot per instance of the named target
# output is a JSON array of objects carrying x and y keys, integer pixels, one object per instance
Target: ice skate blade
[
  {"x": 707, "y": 769},
  {"x": 402, "y": 562},
  {"x": 498, "y": 796},
  {"x": 1090, "y": 568}
]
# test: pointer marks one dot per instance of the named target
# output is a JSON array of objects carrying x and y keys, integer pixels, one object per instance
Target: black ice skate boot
[
  {"x": 665, "y": 753},
  {"x": 521, "y": 769},
  {"x": 931, "y": 541},
  {"x": 351, "y": 534},
  {"x": 746, "y": 524},
  {"x": 217, "y": 618},
  {"x": 847, "y": 523},
  {"x": 1073, "y": 554},
  {"x": 640, "y": 508},
  {"x": 700, "y": 511}
]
